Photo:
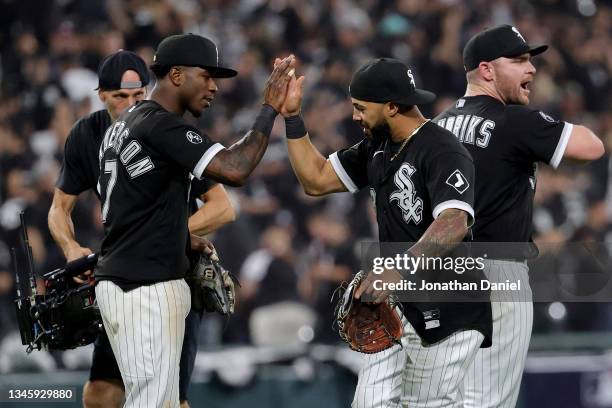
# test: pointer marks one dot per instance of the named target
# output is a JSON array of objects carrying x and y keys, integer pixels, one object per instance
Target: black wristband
[
  {"x": 265, "y": 119},
  {"x": 294, "y": 127}
]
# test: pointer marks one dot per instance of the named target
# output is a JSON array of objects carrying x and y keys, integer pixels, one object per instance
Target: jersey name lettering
[
  {"x": 114, "y": 138},
  {"x": 141, "y": 166},
  {"x": 469, "y": 129}
]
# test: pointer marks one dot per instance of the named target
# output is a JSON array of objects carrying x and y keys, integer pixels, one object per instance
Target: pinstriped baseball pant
[
  {"x": 145, "y": 327},
  {"x": 494, "y": 378},
  {"x": 417, "y": 376}
]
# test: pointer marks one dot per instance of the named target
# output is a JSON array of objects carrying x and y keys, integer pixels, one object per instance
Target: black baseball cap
[
  {"x": 114, "y": 66},
  {"x": 387, "y": 80},
  {"x": 492, "y": 43},
  {"x": 191, "y": 50}
]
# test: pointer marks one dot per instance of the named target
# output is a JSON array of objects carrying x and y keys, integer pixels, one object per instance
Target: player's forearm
[
  {"x": 444, "y": 234},
  {"x": 308, "y": 164},
  {"x": 240, "y": 159},
  {"x": 211, "y": 217},
  {"x": 62, "y": 228},
  {"x": 233, "y": 165}
]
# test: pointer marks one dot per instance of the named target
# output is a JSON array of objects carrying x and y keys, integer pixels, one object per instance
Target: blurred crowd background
[{"x": 289, "y": 249}]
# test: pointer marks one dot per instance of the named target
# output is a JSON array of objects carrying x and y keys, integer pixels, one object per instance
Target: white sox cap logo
[
  {"x": 409, "y": 72},
  {"x": 193, "y": 137},
  {"x": 458, "y": 181},
  {"x": 519, "y": 34}
]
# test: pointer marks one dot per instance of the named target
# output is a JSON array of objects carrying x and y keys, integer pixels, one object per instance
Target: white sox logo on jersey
[{"x": 408, "y": 202}]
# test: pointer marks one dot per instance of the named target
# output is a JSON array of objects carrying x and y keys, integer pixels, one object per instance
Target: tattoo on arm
[
  {"x": 445, "y": 233},
  {"x": 233, "y": 165}
]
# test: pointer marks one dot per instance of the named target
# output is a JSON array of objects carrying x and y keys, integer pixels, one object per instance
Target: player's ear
[
  {"x": 102, "y": 95},
  {"x": 390, "y": 109},
  {"x": 176, "y": 76},
  {"x": 486, "y": 70}
]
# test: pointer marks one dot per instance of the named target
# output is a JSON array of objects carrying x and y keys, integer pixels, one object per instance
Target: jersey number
[{"x": 110, "y": 166}]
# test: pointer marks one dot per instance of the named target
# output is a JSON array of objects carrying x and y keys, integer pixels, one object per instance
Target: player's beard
[
  {"x": 380, "y": 132},
  {"x": 512, "y": 93}
]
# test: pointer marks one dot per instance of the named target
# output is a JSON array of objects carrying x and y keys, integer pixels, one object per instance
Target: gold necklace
[{"x": 405, "y": 142}]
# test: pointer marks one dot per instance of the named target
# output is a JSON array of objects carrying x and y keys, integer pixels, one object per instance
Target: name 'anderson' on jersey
[
  {"x": 145, "y": 161},
  {"x": 505, "y": 142}
]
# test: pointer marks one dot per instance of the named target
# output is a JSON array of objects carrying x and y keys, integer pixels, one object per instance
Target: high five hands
[
  {"x": 275, "y": 92},
  {"x": 293, "y": 102}
]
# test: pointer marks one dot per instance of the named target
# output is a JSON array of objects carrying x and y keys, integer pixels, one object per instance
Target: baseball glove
[
  {"x": 213, "y": 288},
  {"x": 367, "y": 328}
]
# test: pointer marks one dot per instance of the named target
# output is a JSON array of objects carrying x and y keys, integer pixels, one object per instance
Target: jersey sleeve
[
  {"x": 450, "y": 184},
  {"x": 73, "y": 172},
  {"x": 540, "y": 138},
  {"x": 199, "y": 187},
  {"x": 185, "y": 144},
  {"x": 351, "y": 166}
]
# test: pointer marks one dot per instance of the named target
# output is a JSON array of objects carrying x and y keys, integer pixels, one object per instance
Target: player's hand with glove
[
  {"x": 367, "y": 327},
  {"x": 201, "y": 244},
  {"x": 373, "y": 295},
  {"x": 213, "y": 287}
]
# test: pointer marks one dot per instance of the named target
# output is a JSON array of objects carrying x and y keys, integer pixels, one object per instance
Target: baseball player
[
  {"x": 122, "y": 80},
  {"x": 405, "y": 161},
  {"x": 146, "y": 158},
  {"x": 507, "y": 140}
]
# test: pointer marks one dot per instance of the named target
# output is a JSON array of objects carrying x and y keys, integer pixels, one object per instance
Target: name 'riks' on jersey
[{"x": 506, "y": 143}]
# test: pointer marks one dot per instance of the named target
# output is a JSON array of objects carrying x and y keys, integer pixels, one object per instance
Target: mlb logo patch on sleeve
[
  {"x": 458, "y": 181},
  {"x": 193, "y": 137},
  {"x": 547, "y": 117}
]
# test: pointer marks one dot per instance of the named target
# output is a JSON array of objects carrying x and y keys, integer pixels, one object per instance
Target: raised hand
[
  {"x": 295, "y": 92},
  {"x": 276, "y": 88}
]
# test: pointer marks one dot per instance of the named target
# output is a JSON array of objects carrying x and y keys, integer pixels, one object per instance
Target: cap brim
[
  {"x": 419, "y": 97},
  {"x": 215, "y": 72},
  {"x": 526, "y": 49},
  {"x": 220, "y": 72},
  {"x": 537, "y": 50}
]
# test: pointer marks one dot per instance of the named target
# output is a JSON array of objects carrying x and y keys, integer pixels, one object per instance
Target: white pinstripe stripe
[
  {"x": 168, "y": 366},
  {"x": 440, "y": 381},
  {"x": 158, "y": 352},
  {"x": 147, "y": 290}
]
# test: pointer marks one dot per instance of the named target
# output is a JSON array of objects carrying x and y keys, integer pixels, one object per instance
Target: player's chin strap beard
[
  {"x": 405, "y": 142},
  {"x": 380, "y": 133}
]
